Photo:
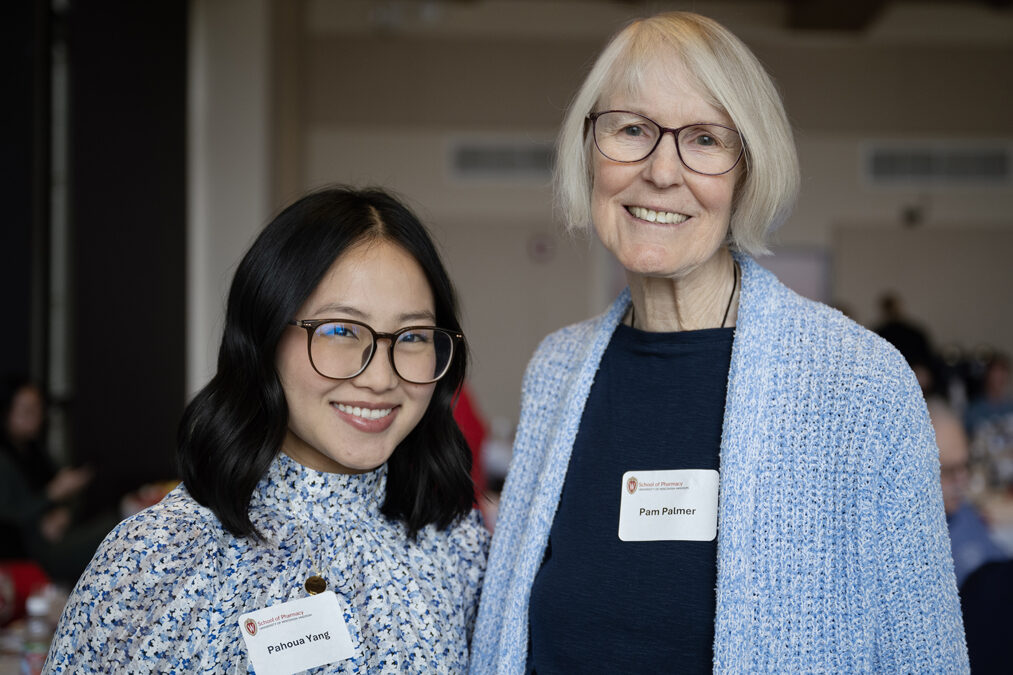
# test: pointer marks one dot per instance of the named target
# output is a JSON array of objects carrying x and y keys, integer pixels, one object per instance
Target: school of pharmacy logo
[
  {"x": 631, "y": 484},
  {"x": 251, "y": 626}
]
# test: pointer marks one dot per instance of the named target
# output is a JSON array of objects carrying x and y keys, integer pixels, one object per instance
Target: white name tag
[
  {"x": 676, "y": 505},
  {"x": 296, "y": 635}
]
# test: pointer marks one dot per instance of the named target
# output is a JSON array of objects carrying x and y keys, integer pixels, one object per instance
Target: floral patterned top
[{"x": 166, "y": 588}]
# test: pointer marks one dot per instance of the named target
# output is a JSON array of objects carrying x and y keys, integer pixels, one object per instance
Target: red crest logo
[
  {"x": 251, "y": 626},
  {"x": 631, "y": 484}
]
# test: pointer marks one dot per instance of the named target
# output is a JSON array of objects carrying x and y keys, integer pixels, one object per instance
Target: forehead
[
  {"x": 27, "y": 395},
  {"x": 664, "y": 87},
  {"x": 375, "y": 277}
]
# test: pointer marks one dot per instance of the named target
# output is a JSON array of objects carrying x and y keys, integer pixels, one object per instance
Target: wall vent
[
  {"x": 940, "y": 164},
  {"x": 500, "y": 160}
]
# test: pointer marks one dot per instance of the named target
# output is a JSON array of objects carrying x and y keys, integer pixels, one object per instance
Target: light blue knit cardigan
[{"x": 832, "y": 546}]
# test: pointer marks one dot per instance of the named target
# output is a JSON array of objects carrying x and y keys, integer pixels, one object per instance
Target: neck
[{"x": 693, "y": 301}]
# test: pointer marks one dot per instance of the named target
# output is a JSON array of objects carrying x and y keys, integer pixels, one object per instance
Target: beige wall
[
  {"x": 937, "y": 271},
  {"x": 377, "y": 92},
  {"x": 228, "y": 162}
]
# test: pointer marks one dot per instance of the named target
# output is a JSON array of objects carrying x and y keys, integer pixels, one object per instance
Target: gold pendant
[{"x": 315, "y": 585}]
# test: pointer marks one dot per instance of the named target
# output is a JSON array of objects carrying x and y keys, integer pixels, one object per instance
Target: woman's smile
[
  {"x": 660, "y": 217},
  {"x": 369, "y": 418},
  {"x": 364, "y": 410}
]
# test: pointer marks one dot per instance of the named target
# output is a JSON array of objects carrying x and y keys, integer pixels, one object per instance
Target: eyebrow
[
  {"x": 421, "y": 315},
  {"x": 639, "y": 110}
]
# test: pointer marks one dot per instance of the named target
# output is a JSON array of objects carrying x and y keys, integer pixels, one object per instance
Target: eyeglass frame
[
  {"x": 311, "y": 325},
  {"x": 593, "y": 119}
]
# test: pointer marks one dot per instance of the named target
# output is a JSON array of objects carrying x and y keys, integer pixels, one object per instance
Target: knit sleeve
[
  {"x": 920, "y": 626},
  {"x": 495, "y": 646},
  {"x": 145, "y": 603}
]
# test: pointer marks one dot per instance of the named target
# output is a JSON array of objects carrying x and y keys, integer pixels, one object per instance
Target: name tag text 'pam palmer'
[{"x": 664, "y": 511}]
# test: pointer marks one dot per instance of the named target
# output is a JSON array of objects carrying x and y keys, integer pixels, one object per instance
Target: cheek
[
  {"x": 417, "y": 400},
  {"x": 714, "y": 195},
  {"x": 292, "y": 363},
  {"x": 423, "y": 397},
  {"x": 608, "y": 182}
]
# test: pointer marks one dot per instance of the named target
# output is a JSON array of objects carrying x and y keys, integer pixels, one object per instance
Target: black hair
[{"x": 233, "y": 428}]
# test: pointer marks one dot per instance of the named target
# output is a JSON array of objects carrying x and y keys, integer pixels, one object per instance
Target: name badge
[
  {"x": 296, "y": 635},
  {"x": 676, "y": 505}
]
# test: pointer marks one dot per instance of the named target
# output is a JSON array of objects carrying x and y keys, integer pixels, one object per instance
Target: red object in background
[
  {"x": 25, "y": 577},
  {"x": 474, "y": 429}
]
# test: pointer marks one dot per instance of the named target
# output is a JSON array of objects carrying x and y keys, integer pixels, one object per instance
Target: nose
[
  {"x": 379, "y": 375},
  {"x": 663, "y": 167}
]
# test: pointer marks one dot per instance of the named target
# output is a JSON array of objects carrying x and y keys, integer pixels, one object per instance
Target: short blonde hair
[{"x": 735, "y": 82}]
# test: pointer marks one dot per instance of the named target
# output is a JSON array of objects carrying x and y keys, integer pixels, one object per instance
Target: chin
[
  {"x": 362, "y": 464},
  {"x": 649, "y": 262}
]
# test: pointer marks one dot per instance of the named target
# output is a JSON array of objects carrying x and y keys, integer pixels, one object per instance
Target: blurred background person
[
  {"x": 910, "y": 339},
  {"x": 37, "y": 508},
  {"x": 994, "y": 401},
  {"x": 970, "y": 540},
  {"x": 989, "y": 422},
  {"x": 983, "y": 569}
]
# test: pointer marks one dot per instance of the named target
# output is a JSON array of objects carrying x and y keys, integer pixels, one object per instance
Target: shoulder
[
  {"x": 175, "y": 524},
  {"x": 811, "y": 337},
  {"x": 815, "y": 371},
  {"x": 470, "y": 535},
  {"x": 465, "y": 543},
  {"x": 157, "y": 547},
  {"x": 149, "y": 584},
  {"x": 561, "y": 347},
  {"x": 573, "y": 347}
]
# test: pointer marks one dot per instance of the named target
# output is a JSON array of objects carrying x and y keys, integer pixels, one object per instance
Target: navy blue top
[{"x": 599, "y": 604}]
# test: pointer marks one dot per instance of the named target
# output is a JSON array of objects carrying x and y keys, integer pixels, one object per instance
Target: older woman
[{"x": 715, "y": 473}]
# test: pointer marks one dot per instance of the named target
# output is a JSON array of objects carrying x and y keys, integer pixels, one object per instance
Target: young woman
[{"x": 325, "y": 519}]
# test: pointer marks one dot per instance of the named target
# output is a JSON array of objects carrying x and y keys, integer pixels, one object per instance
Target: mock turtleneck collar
[{"x": 296, "y": 490}]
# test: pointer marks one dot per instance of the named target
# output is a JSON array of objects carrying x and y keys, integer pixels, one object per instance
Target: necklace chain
[{"x": 728, "y": 307}]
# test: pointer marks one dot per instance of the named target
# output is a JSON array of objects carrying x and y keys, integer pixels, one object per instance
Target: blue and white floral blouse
[{"x": 166, "y": 588}]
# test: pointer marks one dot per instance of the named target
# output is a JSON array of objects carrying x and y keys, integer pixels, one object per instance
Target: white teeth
[
  {"x": 364, "y": 413},
  {"x": 663, "y": 217}
]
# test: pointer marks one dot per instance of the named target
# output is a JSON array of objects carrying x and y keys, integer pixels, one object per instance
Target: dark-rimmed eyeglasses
[
  {"x": 629, "y": 137},
  {"x": 341, "y": 349}
]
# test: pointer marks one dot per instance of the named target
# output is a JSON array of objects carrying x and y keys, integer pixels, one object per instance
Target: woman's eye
[
  {"x": 704, "y": 140},
  {"x": 633, "y": 130},
  {"x": 338, "y": 330},
  {"x": 710, "y": 137},
  {"x": 414, "y": 337}
]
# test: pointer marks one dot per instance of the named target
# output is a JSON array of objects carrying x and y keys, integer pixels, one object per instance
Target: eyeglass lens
[
  {"x": 704, "y": 148},
  {"x": 342, "y": 350}
]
